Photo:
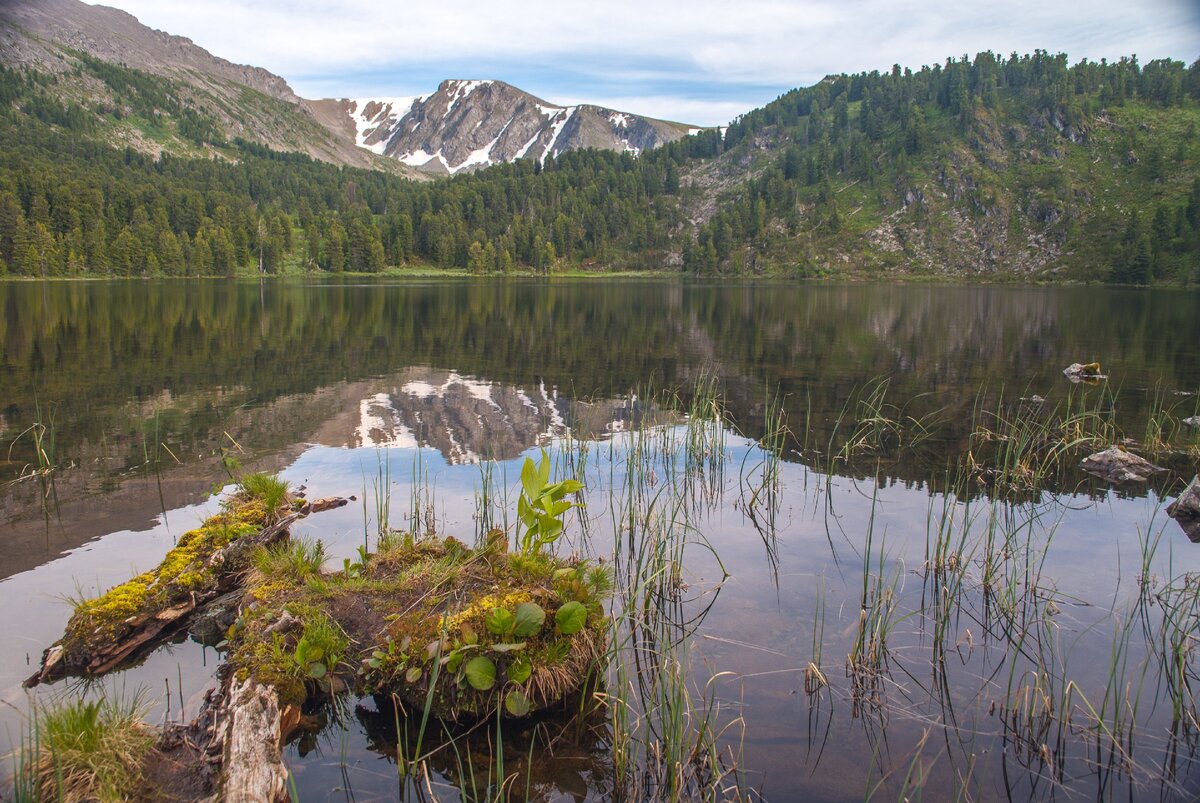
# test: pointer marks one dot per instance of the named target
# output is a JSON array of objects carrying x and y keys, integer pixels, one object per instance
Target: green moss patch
[{"x": 189, "y": 569}]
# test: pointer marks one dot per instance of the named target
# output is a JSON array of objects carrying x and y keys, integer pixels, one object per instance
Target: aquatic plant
[{"x": 542, "y": 504}]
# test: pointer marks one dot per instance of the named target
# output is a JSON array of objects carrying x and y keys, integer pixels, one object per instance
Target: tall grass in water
[
  {"x": 41, "y": 437},
  {"x": 673, "y": 737}
]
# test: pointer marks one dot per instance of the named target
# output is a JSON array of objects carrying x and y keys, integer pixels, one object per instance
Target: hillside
[{"x": 1023, "y": 167}]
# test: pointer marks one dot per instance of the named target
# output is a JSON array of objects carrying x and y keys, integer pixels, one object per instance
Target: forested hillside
[{"x": 1022, "y": 166}]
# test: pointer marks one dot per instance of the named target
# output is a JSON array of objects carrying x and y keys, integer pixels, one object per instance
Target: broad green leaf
[
  {"x": 413, "y": 674},
  {"x": 481, "y": 672},
  {"x": 520, "y": 669},
  {"x": 314, "y": 654},
  {"x": 517, "y": 704},
  {"x": 530, "y": 478},
  {"x": 317, "y": 670},
  {"x": 528, "y": 620},
  {"x": 571, "y": 618},
  {"x": 500, "y": 621},
  {"x": 525, "y": 512}
]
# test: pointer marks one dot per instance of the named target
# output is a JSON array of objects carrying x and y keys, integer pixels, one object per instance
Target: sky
[{"x": 701, "y": 61}]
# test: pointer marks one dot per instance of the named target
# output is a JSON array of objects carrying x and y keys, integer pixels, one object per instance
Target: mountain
[
  {"x": 472, "y": 124},
  {"x": 462, "y": 125}
]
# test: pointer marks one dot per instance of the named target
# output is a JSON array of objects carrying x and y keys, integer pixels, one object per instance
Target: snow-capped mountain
[
  {"x": 466, "y": 125},
  {"x": 461, "y": 126}
]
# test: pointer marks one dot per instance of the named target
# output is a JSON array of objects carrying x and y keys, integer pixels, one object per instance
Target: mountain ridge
[
  {"x": 469, "y": 124},
  {"x": 459, "y": 127}
]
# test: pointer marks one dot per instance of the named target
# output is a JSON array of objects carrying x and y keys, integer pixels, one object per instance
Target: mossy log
[
  {"x": 105, "y": 632},
  {"x": 462, "y": 632}
]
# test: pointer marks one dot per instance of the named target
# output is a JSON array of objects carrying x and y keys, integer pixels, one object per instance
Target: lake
[{"x": 880, "y": 570}]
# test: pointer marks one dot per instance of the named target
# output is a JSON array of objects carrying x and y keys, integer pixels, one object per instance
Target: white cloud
[{"x": 721, "y": 44}]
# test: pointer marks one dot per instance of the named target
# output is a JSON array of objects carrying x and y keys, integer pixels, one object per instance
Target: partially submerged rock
[
  {"x": 1193, "y": 421},
  {"x": 1115, "y": 464},
  {"x": 1186, "y": 510},
  {"x": 461, "y": 632},
  {"x": 1084, "y": 372}
]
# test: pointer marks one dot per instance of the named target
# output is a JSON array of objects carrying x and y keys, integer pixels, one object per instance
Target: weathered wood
[
  {"x": 252, "y": 768},
  {"x": 146, "y": 629}
]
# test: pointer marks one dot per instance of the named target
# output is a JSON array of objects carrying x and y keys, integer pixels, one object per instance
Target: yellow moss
[
  {"x": 483, "y": 606},
  {"x": 182, "y": 569}
]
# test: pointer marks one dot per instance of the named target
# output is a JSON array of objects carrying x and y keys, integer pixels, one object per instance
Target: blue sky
[{"x": 700, "y": 61}]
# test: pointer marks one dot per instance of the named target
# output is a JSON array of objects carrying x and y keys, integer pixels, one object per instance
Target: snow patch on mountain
[
  {"x": 369, "y": 114},
  {"x": 559, "y": 124}
]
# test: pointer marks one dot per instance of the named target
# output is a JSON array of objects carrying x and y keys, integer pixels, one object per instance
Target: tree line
[{"x": 71, "y": 204}]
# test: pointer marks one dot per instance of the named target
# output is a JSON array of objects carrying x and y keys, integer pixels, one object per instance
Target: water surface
[{"x": 142, "y": 391}]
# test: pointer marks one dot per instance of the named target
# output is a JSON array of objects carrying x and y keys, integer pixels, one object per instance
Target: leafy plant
[
  {"x": 542, "y": 504},
  {"x": 308, "y": 657},
  {"x": 481, "y": 672},
  {"x": 320, "y": 648},
  {"x": 528, "y": 620},
  {"x": 517, "y": 703},
  {"x": 571, "y": 618}
]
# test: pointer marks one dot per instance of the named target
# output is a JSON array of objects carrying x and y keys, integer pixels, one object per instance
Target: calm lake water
[{"x": 1012, "y": 637}]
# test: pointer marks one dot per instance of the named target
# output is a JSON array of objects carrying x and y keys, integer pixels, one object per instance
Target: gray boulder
[
  {"x": 1186, "y": 510},
  {"x": 1117, "y": 465}
]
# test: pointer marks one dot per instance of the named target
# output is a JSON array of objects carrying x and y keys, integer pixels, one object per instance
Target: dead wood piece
[
  {"x": 252, "y": 768},
  {"x": 283, "y": 624},
  {"x": 145, "y": 629},
  {"x": 325, "y": 503}
]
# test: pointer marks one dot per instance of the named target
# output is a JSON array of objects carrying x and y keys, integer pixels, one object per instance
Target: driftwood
[
  {"x": 237, "y": 740},
  {"x": 139, "y": 632},
  {"x": 252, "y": 769}
]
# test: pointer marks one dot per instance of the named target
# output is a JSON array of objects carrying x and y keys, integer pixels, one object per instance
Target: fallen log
[
  {"x": 252, "y": 769},
  {"x": 206, "y": 563}
]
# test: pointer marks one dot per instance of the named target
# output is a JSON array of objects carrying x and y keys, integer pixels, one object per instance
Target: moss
[
  {"x": 418, "y": 610},
  {"x": 185, "y": 569}
]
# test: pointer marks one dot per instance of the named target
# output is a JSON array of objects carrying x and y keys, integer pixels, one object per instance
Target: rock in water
[
  {"x": 1117, "y": 465},
  {"x": 1194, "y": 421},
  {"x": 1081, "y": 372},
  {"x": 1186, "y": 510}
]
